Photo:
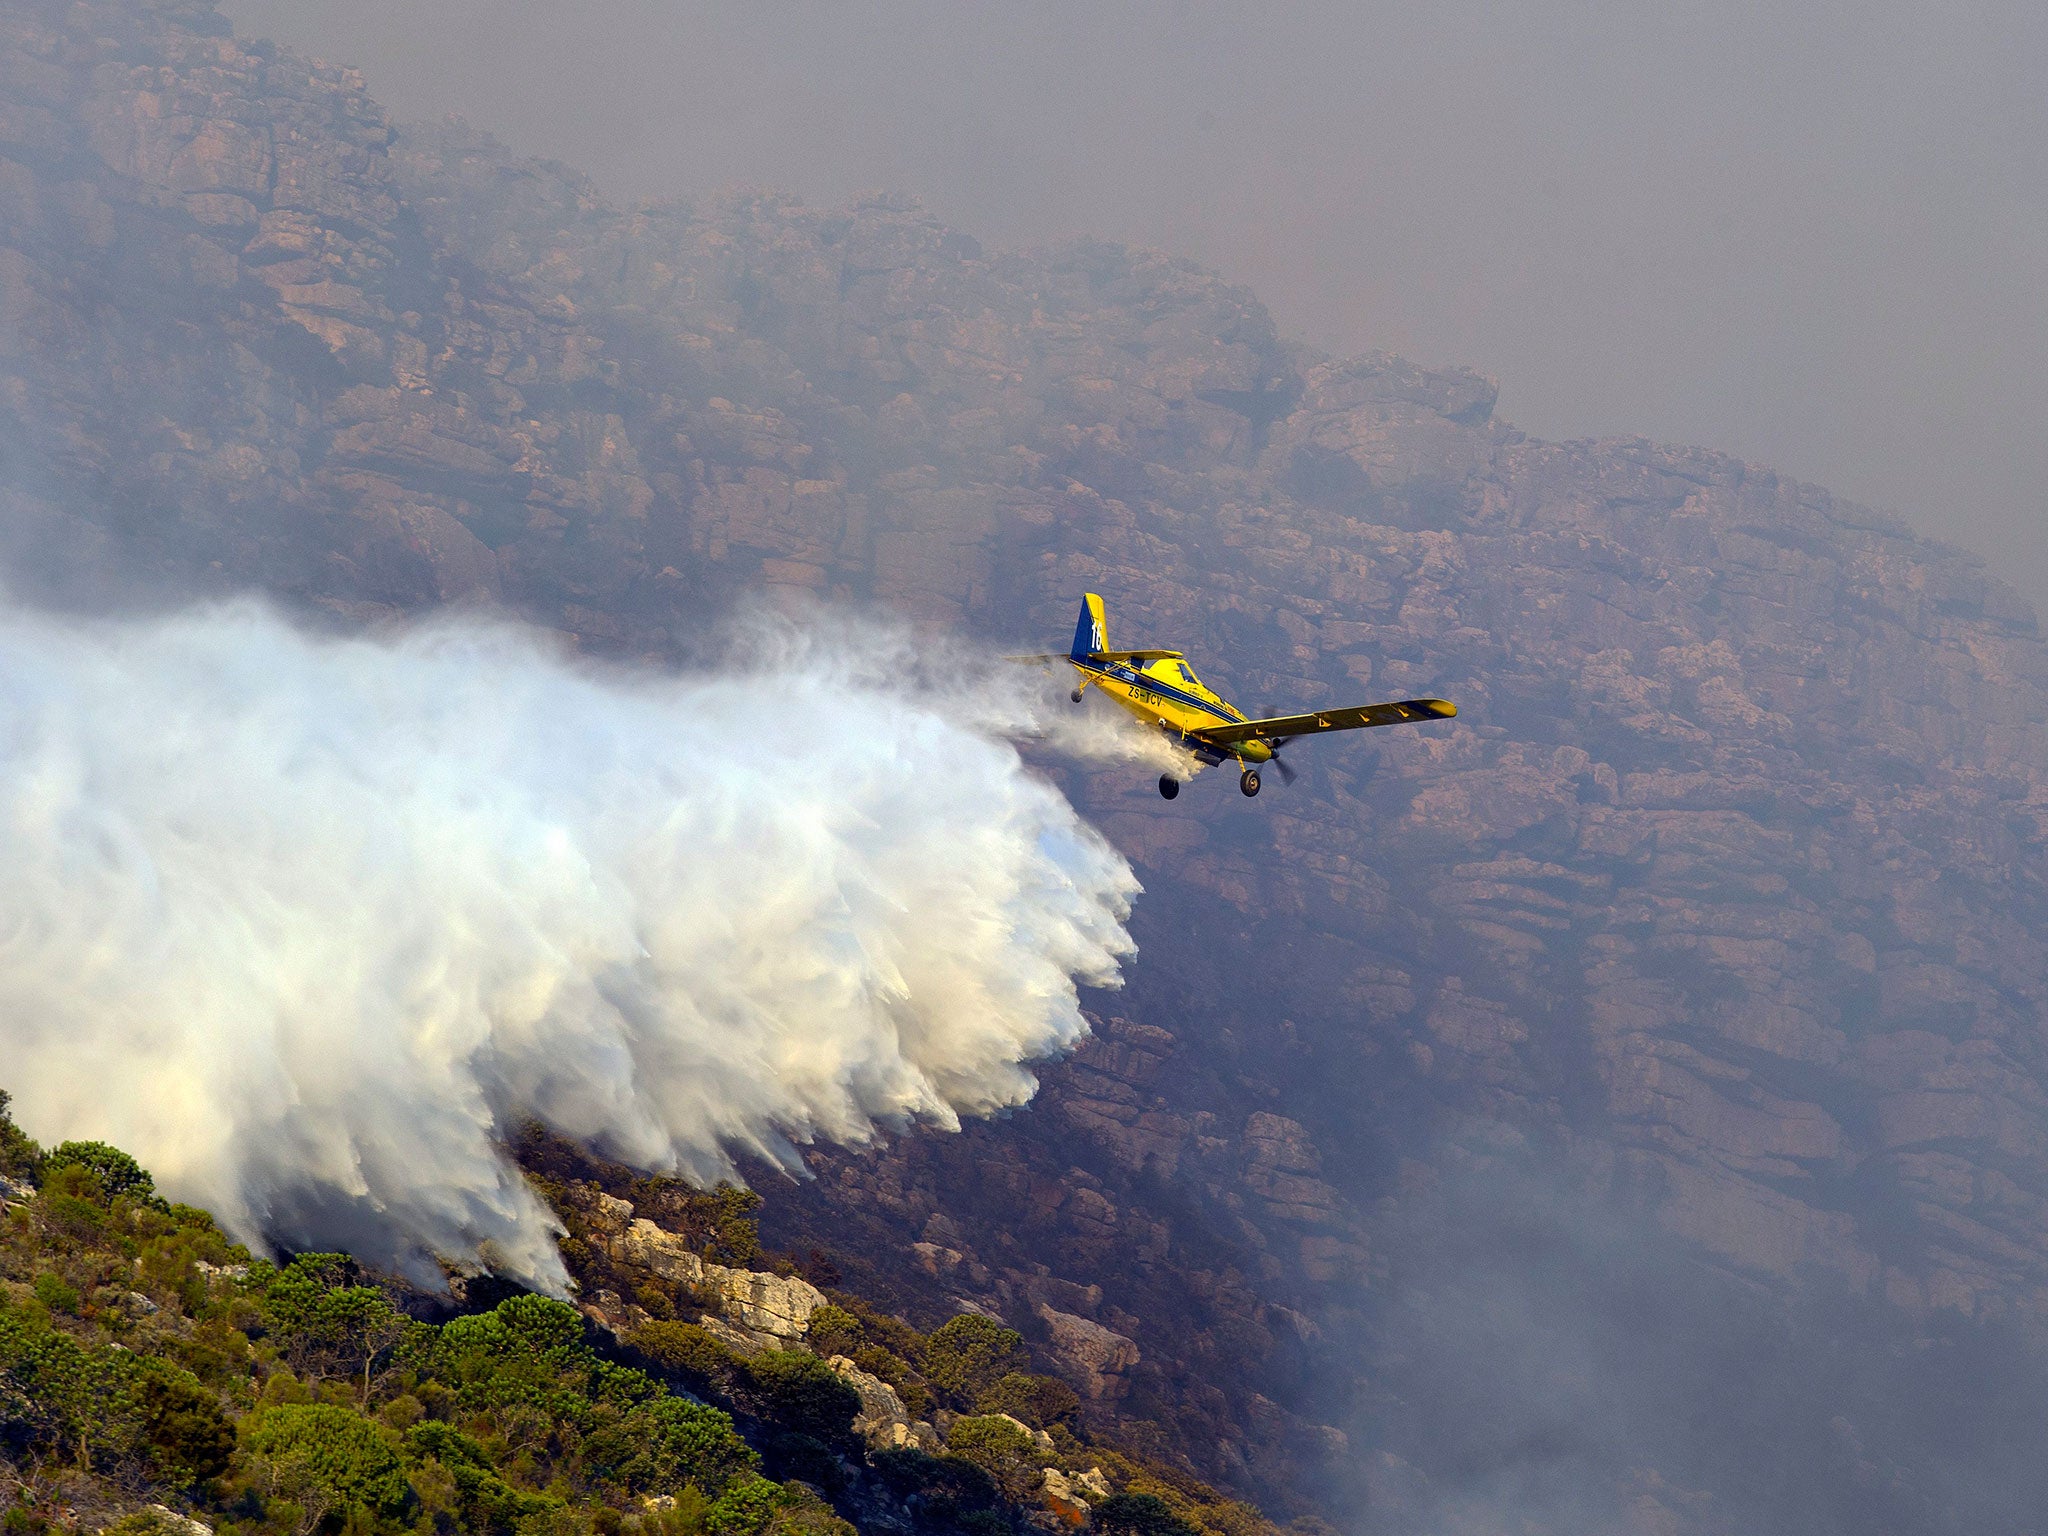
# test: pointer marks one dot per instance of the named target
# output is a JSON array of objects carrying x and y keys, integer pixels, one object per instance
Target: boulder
[
  {"x": 1093, "y": 1357},
  {"x": 777, "y": 1305},
  {"x": 883, "y": 1421},
  {"x": 1076, "y": 1488}
]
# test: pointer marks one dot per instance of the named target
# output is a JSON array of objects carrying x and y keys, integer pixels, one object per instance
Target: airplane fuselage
[{"x": 1167, "y": 694}]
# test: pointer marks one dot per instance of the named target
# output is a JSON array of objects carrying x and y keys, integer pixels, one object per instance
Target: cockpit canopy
[{"x": 1178, "y": 672}]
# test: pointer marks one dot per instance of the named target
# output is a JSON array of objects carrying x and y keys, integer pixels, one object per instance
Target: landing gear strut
[
  {"x": 1249, "y": 781},
  {"x": 1169, "y": 786}
]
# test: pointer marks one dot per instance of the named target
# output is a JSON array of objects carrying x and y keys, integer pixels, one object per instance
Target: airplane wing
[
  {"x": 1286, "y": 727},
  {"x": 1103, "y": 656}
]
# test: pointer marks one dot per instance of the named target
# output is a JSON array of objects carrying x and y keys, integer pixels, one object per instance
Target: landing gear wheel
[
  {"x": 1249, "y": 781},
  {"x": 1075, "y": 695},
  {"x": 1169, "y": 786}
]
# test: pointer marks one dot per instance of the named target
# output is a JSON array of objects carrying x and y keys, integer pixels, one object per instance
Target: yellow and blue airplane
[{"x": 1162, "y": 690}]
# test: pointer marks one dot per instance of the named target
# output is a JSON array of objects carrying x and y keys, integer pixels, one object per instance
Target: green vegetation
[
  {"x": 1140, "y": 1514},
  {"x": 1009, "y": 1455},
  {"x": 147, "y": 1363},
  {"x": 971, "y": 1354},
  {"x": 1040, "y": 1401},
  {"x": 19, "y": 1157},
  {"x": 110, "y": 1173}
]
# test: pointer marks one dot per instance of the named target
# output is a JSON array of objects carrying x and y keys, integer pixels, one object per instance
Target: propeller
[{"x": 1287, "y": 774}]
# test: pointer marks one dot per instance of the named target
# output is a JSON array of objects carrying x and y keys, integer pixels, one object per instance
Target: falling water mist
[{"x": 308, "y": 923}]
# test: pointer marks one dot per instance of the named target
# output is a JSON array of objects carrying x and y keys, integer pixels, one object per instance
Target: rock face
[
  {"x": 1094, "y": 1357},
  {"x": 1722, "y": 889},
  {"x": 883, "y": 1420},
  {"x": 768, "y": 1310},
  {"x": 779, "y": 1306}
]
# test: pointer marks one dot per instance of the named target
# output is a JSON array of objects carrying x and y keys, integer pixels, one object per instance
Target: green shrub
[
  {"x": 1008, "y": 1455},
  {"x": 971, "y": 1354},
  {"x": 745, "y": 1508},
  {"x": 718, "y": 1221},
  {"x": 802, "y": 1393},
  {"x": 684, "y": 1349},
  {"x": 834, "y": 1331},
  {"x": 1039, "y": 1401},
  {"x": 668, "y": 1442},
  {"x": 502, "y": 1423},
  {"x": 452, "y": 1475},
  {"x": 57, "y": 1293},
  {"x": 328, "y": 1326},
  {"x": 185, "y": 1436},
  {"x": 1139, "y": 1514},
  {"x": 550, "y": 1517},
  {"x": 341, "y": 1455},
  {"x": 115, "y": 1174},
  {"x": 805, "y": 1458},
  {"x": 803, "y": 1513},
  {"x": 530, "y": 1351},
  {"x": 878, "y": 1362},
  {"x": 63, "y": 1395},
  {"x": 70, "y": 1206},
  {"x": 147, "y": 1522},
  {"x": 656, "y": 1302},
  {"x": 989, "y": 1432},
  {"x": 20, "y": 1158},
  {"x": 685, "y": 1517}
]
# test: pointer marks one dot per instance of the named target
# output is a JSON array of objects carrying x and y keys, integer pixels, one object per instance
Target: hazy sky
[{"x": 1813, "y": 234}]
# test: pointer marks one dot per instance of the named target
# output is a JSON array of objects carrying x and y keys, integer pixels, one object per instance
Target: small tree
[
  {"x": 1009, "y": 1455},
  {"x": 802, "y": 1393},
  {"x": 749, "y": 1502},
  {"x": 20, "y": 1158},
  {"x": 328, "y": 1455},
  {"x": 183, "y": 1431},
  {"x": 67, "y": 1395},
  {"x": 328, "y": 1325},
  {"x": 1140, "y": 1514},
  {"x": 359, "y": 1325},
  {"x": 970, "y": 1354},
  {"x": 688, "y": 1351},
  {"x": 833, "y": 1330},
  {"x": 1040, "y": 1401},
  {"x": 116, "y": 1174}
]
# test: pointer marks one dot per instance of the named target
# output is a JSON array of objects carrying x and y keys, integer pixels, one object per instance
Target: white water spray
[{"x": 308, "y": 924}]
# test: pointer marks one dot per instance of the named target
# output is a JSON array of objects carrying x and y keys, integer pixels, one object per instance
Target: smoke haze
[
  {"x": 307, "y": 924},
  {"x": 1545, "y": 1359},
  {"x": 1808, "y": 235}
]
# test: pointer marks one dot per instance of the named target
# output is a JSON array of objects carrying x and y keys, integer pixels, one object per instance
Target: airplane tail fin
[{"x": 1091, "y": 633}]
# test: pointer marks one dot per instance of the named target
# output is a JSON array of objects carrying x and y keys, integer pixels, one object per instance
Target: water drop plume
[{"x": 309, "y": 923}]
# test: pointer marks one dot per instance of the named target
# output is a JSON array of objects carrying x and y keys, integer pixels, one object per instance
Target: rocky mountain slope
[
  {"x": 1712, "y": 913},
  {"x": 158, "y": 1380}
]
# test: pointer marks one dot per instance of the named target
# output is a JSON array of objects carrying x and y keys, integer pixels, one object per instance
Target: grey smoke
[
  {"x": 1810, "y": 235},
  {"x": 309, "y": 924},
  {"x": 1540, "y": 1357}
]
